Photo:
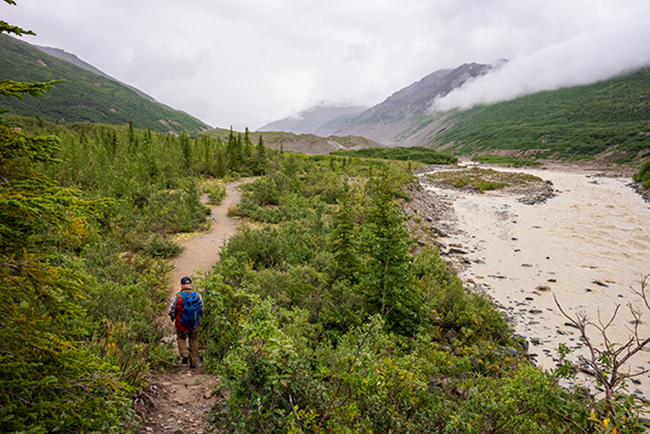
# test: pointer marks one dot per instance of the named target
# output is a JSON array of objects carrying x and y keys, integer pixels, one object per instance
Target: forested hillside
[
  {"x": 83, "y": 96},
  {"x": 609, "y": 120}
]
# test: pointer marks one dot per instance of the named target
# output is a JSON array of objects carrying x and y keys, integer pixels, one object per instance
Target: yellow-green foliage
[
  {"x": 643, "y": 175},
  {"x": 48, "y": 379},
  {"x": 483, "y": 179}
]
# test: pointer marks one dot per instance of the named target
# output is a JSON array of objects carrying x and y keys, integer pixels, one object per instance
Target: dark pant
[{"x": 193, "y": 352}]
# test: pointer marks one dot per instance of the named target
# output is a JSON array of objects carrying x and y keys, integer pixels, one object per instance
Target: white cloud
[
  {"x": 586, "y": 58},
  {"x": 248, "y": 62}
]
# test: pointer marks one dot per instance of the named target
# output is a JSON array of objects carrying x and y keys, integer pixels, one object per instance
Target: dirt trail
[
  {"x": 201, "y": 252},
  {"x": 179, "y": 399}
]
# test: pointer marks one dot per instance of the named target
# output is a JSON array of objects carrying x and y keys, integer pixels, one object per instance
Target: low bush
[
  {"x": 643, "y": 175},
  {"x": 216, "y": 193},
  {"x": 162, "y": 247}
]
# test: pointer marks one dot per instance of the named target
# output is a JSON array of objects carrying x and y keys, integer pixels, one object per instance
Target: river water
[{"x": 596, "y": 229}]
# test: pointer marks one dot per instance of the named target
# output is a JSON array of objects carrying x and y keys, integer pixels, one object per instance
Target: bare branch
[{"x": 567, "y": 419}]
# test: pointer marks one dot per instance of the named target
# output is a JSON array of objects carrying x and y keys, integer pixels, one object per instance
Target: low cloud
[
  {"x": 586, "y": 58},
  {"x": 250, "y": 62}
]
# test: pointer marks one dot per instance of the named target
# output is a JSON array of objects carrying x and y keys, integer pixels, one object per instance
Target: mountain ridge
[
  {"x": 314, "y": 120},
  {"x": 608, "y": 120},
  {"x": 84, "y": 95},
  {"x": 72, "y": 58},
  {"x": 390, "y": 121}
]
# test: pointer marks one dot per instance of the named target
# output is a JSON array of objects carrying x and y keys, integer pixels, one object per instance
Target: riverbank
[{"x": 594, "y": 230}]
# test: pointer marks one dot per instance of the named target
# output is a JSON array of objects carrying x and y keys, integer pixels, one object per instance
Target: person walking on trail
[{"x": 185, "y": 309}]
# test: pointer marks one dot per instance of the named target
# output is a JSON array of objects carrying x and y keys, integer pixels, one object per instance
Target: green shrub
[
  {"x": 216, "y": 193},
  {"x": 162, "y": 247}
]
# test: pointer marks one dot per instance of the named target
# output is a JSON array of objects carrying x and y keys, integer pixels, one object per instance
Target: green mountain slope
[
  {"x": 609, "y": 120},
  {"x": 83, "y": 96}
]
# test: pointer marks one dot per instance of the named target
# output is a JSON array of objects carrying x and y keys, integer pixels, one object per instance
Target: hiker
[{"x": 185, "y": 309}]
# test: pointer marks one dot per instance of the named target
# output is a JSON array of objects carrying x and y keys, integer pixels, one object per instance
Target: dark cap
[{"x": 186, "y": 280}]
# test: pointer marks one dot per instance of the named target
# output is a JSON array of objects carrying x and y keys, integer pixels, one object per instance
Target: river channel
[{"x": 588, "y": 245}]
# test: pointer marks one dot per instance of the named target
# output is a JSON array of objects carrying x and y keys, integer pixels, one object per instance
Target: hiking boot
[{"x": 184, "y": 360}]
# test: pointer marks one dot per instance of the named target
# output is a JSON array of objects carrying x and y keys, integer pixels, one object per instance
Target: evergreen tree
[
  {"x": 113, "y": 148},
  {"x": 186, "y": 149},
  {"x": 389, "y": 286},
  {"x": 207, "y": 156},
  {"x": 132, "y": 145},
  {"x": 219, "y": 163},
  {"x": 342, "y": 238},
  {"x": 260, "y": 157},
  {"x": 248, "y": 145},
  {"x": 239, "y": 150},
  {"x": 232, "y": 152},
  {"x": 48, "y": 381}
]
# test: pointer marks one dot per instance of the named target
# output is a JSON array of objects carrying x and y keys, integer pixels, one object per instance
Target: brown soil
[
  {"x": 201, "y": 251},
  {"x": 179, "y": 400}
]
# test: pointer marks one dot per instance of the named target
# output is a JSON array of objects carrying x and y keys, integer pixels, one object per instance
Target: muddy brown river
[{"x": 589, "y": 245}]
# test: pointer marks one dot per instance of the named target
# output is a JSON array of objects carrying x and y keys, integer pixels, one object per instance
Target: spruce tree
[
  {"x": 260, "y": 157},
  {"x": 389, "y": 285},
  {"x": 49, "y": 381},
  {"x": 186, "y": 150},
  {"x": 248, "y": 145},
  {"x": 342, "y": 238},
  {"x": 207, "y": 156},
  {"x": 232, "y": 152},
  {"x": 132, "y": 145},
  {"x": 219, "y": 159}
]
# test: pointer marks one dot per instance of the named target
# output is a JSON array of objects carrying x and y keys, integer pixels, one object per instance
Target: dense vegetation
[
  {"x": 87, "y": 212},
  {"x": 572, "y": 124},
  {"x": 415, "y": 153},
  {"x": 323, "y": 320},
  {"x": 83, "y": 96},
  {"x": 324, "y": 317}
]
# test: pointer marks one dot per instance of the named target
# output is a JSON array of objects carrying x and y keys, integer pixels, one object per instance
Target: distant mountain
[
  {"x": 397, "y": 120},
  {"x": 318, "y": 120},
  {"x": 608, "y": 121},
  {"x": 86, "y": 95}
]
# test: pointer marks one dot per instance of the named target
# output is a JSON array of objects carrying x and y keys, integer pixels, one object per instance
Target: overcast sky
[{"x": 250, "y": 62}]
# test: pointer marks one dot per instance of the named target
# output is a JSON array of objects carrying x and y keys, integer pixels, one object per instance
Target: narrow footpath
[{"x": 179, "y": 399}]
